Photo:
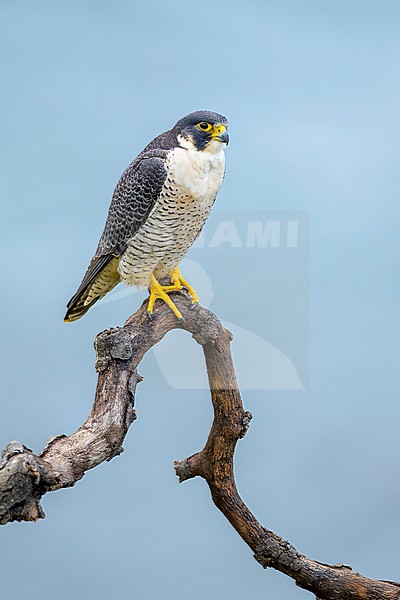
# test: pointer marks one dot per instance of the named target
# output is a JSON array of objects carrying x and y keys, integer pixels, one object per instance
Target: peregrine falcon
[{"x": 157, "y": 211}]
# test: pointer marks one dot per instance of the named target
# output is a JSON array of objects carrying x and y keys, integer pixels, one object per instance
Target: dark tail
[{"x": 100, "y": 278}]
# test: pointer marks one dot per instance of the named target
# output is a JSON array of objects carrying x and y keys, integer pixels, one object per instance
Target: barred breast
[{"x": 177, "y": 218}]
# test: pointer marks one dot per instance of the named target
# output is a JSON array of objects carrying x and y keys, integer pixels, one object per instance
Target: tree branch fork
[{"x": 25, "y": 477}]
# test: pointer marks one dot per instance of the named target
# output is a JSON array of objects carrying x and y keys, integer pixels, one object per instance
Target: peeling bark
[{"x": 26, "y": 477}]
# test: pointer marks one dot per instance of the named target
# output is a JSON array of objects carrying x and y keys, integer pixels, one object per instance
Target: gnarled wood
[{"x": 25, "y": 477}]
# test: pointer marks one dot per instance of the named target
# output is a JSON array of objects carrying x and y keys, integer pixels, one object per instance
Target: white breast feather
[
  {"x": 199, "y": 173},
  {"x": 178, "y": 217}
]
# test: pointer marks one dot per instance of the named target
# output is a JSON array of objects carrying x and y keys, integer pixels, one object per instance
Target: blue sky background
[{"x": 311, "y": 90}]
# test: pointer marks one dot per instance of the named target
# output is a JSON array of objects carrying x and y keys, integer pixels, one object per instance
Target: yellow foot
[
  {"x": 161, "y": 291},
  {"x": 178, "y": 280}
]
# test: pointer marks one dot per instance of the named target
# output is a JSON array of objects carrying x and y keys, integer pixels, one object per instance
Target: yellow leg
[
  {"x": 178, "y": 280},
  {"x": 159, "y": 291}
]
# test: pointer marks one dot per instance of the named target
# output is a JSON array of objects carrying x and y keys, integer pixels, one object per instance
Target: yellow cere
[{"x": 218, "y": 129}]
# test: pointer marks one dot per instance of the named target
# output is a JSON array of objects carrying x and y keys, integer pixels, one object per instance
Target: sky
[{"x": 299, "y": 259}]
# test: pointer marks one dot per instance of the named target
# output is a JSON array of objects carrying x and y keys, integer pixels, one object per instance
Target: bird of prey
[{"x": 158, "y": 209}]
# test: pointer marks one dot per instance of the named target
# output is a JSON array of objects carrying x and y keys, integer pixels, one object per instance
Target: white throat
[{"x": 199, "y": 171}]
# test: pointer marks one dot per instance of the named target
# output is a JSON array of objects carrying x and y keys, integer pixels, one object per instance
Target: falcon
[{"x": 157, "y": 211}]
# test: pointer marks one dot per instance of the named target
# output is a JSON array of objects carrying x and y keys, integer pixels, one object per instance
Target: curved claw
[
  {"x": 158, "y": 291},
  {"x": 179, "y": 280}
]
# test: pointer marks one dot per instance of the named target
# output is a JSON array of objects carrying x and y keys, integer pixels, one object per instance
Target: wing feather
[{"x": 134, "y": 197}]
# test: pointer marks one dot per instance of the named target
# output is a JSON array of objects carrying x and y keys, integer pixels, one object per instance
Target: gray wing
[{"x": 134, "y": 197}]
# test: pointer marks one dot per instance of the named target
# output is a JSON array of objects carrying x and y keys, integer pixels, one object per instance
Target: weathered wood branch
[{"x": 26, "y": 477}]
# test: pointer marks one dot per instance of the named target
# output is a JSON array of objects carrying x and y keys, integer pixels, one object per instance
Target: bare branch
[{"x": 25, "y": 477}]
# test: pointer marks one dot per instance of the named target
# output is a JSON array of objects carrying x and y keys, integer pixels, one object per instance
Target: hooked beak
[{"x": 220, "y": 134}]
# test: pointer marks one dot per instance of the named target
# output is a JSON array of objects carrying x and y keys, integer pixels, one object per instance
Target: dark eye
[{"x": 204, "y": 126}]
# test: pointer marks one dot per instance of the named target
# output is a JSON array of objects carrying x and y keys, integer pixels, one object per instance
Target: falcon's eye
[{"x": 204, "y": 126}]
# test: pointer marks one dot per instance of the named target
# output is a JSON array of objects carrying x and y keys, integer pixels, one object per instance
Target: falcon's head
[{"x": 203, "y": 129}]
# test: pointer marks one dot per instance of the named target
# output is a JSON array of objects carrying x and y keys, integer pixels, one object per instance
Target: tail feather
[{"x": 101, "y": 277}]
